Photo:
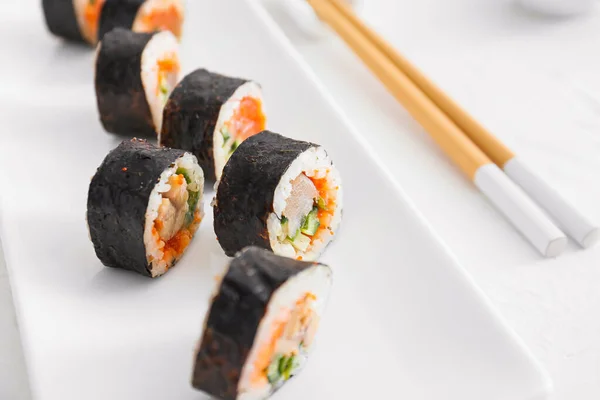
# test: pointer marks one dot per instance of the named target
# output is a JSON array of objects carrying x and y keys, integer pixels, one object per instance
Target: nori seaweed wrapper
[
  {"x": 117, "y": 14},
  {"x": 234, "y": 316},
  {"x": 118, "y": 198},
  {"x": 61, "y": 19},
  {"x": 191, "y": 114},
  {"x": 120, "y": 94},
  {"x": 245, "y": 193}
]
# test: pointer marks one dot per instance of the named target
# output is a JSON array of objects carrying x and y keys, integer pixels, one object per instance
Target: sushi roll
[
  {"x": 135, "y": 74},
  {"x": 260, "y": 326},
  {"x": 74, "y": 20},
  {"x": 279, "y": 194},
  {"x": 141, "y": 16},
  {"x": 210, "y": 115},
  {"x": 144, "y": 207},
  {"x": 89, "y": 20}
]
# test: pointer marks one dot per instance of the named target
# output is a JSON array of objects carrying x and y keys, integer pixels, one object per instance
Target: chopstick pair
[{"x": 487, "y": 162}]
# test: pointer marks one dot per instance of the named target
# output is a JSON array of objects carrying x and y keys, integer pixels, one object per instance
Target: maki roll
[
  {"x": 135, "y": 73},
  {"x": 210, "y": 115},
  {"x": 75, "y": 20},
  {"x": 144, "y": 207},
  {"x": 90, "y": 20},
  {"x": 279, "y": 194},
  {"x": 260, "y": 326},
  {"x": 141, "y": 16}
]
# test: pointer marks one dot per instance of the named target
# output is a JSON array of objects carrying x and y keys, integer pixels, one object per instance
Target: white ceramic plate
[{"x": 404, "y": 320}]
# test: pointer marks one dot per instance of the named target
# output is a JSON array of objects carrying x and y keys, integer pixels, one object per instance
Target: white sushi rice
[
  {"x": 316, "y": 280},
  {"x": 248, "y": 89},
  {"x": 160, "y": 46},
  {"x": 314, "y": 163},
  {"x": 190, "y": 164}
]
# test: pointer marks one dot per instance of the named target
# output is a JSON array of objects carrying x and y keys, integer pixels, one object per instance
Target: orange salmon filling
[
  {"x": 91, "y": 16},
  {"x": 170, "y": 63},
  {"x": 248, "y": 119},
  {"x": 168, "y": 69},
  {"x": 167, "y": 18},
  {"x": 292, "y": 332}
]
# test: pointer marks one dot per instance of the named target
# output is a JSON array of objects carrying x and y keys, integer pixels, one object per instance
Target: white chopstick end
[
  {"x": 591, "y": 239},
  {"x": 556, "y": 247},
  {"x": 578, "y": 226},
  {"x": 520, "y": 210}
]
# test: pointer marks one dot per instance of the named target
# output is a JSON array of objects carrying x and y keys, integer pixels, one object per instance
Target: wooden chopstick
[
  {"x": 488, "y": 143},
  {"x": 468, "y": 157},
  {"x": 572, "y": 221},
  {"x": 476, "y": 165}
]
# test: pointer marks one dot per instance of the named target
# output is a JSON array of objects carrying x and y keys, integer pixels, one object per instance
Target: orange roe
[{"x": 325, "y": 216}]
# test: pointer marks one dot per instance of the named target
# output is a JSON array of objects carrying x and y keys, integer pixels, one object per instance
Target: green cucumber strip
[
  {"x": 281, "y": 367},
  {"x": 303, "y": 221},
  {"x": 234, "y": 146},
  {"x": 273, "y": 374},
  {"x": 321, "y": 203},
  {"x": 284, "y": 225},
  {"x": 291, "y": 237},
  {"x": 192, "y": 203},
  {"x": 193, "y": 197},
  {"x": 286, "y": 365},
  {"x": 164, "y": 89},
  {"x": 186, "y": 175},
  {"x": 311, "y": 222},
  {"x": 284, "y": 228},
  {"x": 226, "y": 135},
  {"x": 300, "y": 242},
  {"x": 281, "y": 364}
]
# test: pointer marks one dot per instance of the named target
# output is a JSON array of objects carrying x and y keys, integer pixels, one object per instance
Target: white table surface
[{"x": 535, "y": 82}]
